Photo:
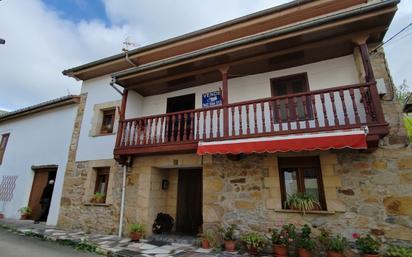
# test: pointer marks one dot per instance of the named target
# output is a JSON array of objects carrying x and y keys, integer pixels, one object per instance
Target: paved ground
[{"x": 14, "y": 245}]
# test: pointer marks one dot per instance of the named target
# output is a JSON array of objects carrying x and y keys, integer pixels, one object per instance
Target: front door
[
  {"x": 179, "y": 124},
  {"x": 41, "y": 193},
  {"x": 189, "y": 202}
]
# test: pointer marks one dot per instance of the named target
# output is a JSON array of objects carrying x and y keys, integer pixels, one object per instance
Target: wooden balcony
[{"x": 338, "y": 108}]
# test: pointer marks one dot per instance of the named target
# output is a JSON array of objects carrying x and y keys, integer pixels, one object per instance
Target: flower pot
[
  {"x": 24, "y": 216},
  {"x": 253, "y": 251},
  {"x": 205, "y": 244},
  {"x": 280, "y": 250},
  {"x": 334, "y": 254},
  {"x": 371, "y": 255},
  {"x": 304, "y": 252},
  {"x": 230, "y": 245},
  {"x": 135, "y": 236},
  {"x": 1, "y": 216}
]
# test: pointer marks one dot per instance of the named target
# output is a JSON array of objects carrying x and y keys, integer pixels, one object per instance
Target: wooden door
[
  {"x": 189, "y": 202},
  {"x": 40, "y": 181},
  {"x": 178, "y": 104}
]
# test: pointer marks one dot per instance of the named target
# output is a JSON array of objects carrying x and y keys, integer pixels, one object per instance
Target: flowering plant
[
  {"x": 333, "y": 243},
  {"x": 304, "y": 239},
  {"x": 284, "y": 236},
  {"x": 366, "y": 244}
]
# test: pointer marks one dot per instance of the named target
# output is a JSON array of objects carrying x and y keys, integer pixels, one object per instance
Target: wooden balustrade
[{"x": 328, "y": 109}]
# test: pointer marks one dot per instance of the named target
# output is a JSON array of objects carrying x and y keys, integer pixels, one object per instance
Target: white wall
[
  {"x": 37, "y": 139},
  {"x": 330, "y": 73},
  {"x": 97, "y": 147}
]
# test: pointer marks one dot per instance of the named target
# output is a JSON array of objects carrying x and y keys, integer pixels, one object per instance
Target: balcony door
[
  {"x": 179, "y": 125},
  {"x": 291, "y": 109}
]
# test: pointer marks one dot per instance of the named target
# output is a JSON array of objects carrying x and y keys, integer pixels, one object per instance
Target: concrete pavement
[{"x": 13, "y": 245}]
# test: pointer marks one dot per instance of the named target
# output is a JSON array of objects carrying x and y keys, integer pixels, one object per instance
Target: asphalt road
[{"x": 12, "y": 245}]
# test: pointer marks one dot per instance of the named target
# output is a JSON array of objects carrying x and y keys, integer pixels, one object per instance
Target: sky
[{"x": 45, "y": 37}]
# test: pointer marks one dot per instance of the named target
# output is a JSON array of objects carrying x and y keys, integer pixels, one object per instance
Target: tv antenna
[{"x": 127, "y": 44}]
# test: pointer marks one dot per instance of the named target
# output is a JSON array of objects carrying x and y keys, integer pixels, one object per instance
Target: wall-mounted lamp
[{"x": 165, "y": 184}]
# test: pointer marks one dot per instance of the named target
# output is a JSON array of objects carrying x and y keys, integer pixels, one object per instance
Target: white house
[{"x": 34, "y": 150}]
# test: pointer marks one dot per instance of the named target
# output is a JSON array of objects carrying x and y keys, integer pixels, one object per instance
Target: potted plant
[
  {"x": 302, "y": 202},
  {"x": 281, "y": 238},
  {"x": 367, "y": 245},
  {"x": 334, "y": 245},
  {"x": 305, "y": 243},
  {"x": 206, "y": 239},
  {"x": 399, "y": 251},
  {"x": 136, "y": 231},
  {"x": 99, "y": 198},
  {"x": 25, "y": 213},
  {"x": 228, "y": 235},
  {"x": 255, "y": 242}
]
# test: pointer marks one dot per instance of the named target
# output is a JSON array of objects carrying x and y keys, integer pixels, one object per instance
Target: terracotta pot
[
  {"x": 371, "y": 255},
  {"x": 304, "y": 252},
  {"x": 205, "y": 244},
  {"x": 253, "y": 251},
  {"x": 230, "y": 245},
  {"x": 334, "y": 254},
  {"x": 280, "y": 250},
  {"x": 24, "y": 216},
  {"x": 135, "y": 236}
]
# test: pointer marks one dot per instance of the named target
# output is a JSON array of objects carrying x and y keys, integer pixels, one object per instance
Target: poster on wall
[{"x": 211, "y": 99}]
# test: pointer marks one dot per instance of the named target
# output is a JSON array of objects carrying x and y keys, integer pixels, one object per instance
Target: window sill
[
  {"x": 308, "y": 212},
  {"x": 104, "y": 134},
  {"x": 98, "y": 204}
]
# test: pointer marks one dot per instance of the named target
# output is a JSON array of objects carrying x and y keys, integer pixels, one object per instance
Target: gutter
[{"x": 258, "y": 37}]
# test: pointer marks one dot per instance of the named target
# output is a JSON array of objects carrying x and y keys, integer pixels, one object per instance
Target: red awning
[{"x": 353, "y": 139}]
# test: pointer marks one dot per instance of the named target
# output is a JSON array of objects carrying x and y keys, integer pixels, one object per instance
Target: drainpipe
[{"x": 123, "y": 199}]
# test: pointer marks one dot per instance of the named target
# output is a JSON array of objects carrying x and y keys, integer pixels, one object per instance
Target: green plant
[
  {"x": 284, "y": 236},
  {"x": 366, "y": 244},
  {"x": 399, "y": 251},
  {"x": 254, "y": 240},
  {"x": 99, "y": 197},
  {"x": 85, "y": 247},
  {"x": 333, "y": 243},
  {"x": 210, "y": 235},
  {"x": 228, "y": 233},
  {"x": 301, "y": 202},
  {"x": 136, "y": 228},
  {"x": 25, "y": 210},
  {"x": 304, "y": 240}
]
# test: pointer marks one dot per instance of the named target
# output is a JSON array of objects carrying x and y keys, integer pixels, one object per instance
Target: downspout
[{"x": 123, "y": 198}]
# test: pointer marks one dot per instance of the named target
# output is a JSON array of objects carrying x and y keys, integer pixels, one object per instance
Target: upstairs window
[
  {"x": 298, "y": 108},
  {"x": 3, "y": 143},
  {"x": 301, "y": 175},
  {"x": 107, "y": 121}
]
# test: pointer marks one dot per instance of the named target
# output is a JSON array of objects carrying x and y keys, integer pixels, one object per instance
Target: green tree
[{"x": 402, "y": 91}]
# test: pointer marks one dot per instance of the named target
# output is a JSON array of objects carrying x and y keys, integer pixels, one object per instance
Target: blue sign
[{"x": 211, "y": 99}]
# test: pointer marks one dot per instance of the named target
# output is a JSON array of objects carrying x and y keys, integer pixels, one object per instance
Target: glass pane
[
  {"x": 300, "y": 109},
  {"x": 291, "y": 184},
  {"x": 281, "y": 89},
  {"x": 298, "y": 86},
  {"x": 311, "y": 182}
]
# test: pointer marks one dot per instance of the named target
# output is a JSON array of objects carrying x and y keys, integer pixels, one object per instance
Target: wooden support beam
[{"x": 225, "y": 99}]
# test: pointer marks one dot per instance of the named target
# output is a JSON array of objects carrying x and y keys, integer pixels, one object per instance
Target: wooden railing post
[
  {"x": 122, "y": 114},
  {"x": 225, "y": 100}
]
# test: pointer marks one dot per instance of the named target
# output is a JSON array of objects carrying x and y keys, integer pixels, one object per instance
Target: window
[
  {"x": 301, "y": 174},
  {"x": 298, "y": 108},
  {"x": 107, "y": 121},
  {"x": 3, "y": 143},
  {"x": 102, "y": 180}
]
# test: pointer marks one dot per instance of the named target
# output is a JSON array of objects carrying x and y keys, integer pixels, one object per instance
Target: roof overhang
[
  {"x": 55, "y": 103},
  {"x": 276, "y": 17},
  {"x": 284, "y": 47}
]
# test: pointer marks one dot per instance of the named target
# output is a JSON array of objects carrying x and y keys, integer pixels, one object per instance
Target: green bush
[
  {"x": 254, "y": 240},
  {"x": 399, "y": 251},
  {"x": 137, "y": 228},
  {"x": 367, "y": 244}
]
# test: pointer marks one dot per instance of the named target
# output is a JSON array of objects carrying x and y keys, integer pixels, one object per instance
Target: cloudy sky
[{"x": 45, "y": 37}]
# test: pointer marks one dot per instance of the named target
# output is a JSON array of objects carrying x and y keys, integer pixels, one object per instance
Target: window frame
[
  {"x": 300, "y": 163},
  {"x": 3, "y": 144},
  {"x": 308, "y": 109},
  {"x": 102, "y": 171},
  {"x": 102, "y": 130}
]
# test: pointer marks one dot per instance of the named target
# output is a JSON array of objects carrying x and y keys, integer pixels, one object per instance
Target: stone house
[
  {"x": 34, "y": 142},
  {"x": 223, "y": 124}
]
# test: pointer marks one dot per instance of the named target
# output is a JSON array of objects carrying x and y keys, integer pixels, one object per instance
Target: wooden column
[
  {"x": 370, "y": 78},
  {"x": 122, "y": 114},
  {"x": 225, "y": 99}
]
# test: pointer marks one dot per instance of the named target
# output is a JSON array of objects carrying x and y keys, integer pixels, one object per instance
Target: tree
[{"x": 402, "y": 92}]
